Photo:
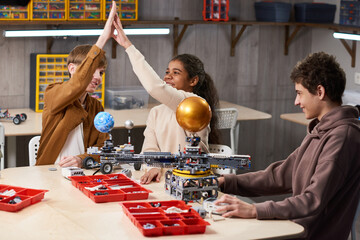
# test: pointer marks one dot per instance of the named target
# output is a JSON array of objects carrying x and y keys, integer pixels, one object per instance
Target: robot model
[{"x": 191, "y": 177}]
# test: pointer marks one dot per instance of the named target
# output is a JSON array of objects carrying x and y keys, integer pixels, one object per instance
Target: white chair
[
  {"x": 220, "y": 149},
  {"x": 353, "y": 228},
  {"x": 2, "y": 146},
  {"x": 33, "y": 149},
  {"x": 227, "y": 119},
  {"x": 224, "y": 150}
]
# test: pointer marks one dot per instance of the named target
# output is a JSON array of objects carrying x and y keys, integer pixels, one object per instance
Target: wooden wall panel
[{"x": 256, "y": 77}]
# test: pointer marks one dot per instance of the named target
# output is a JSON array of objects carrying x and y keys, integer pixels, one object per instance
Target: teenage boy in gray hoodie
[{"x": 323, "y": 174}]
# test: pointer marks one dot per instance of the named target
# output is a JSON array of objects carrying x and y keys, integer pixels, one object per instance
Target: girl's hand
[
  {"x": 121, "y": 37},
  {"x": 152, "y": 174}
]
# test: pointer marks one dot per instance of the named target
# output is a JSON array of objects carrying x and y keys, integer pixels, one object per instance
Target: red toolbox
[
  {"x": 216, "y": 10},
  {"x": 164, "y": 218},
  {"x": 110, "y": 188},
  {"x": 21, "y": 197}
]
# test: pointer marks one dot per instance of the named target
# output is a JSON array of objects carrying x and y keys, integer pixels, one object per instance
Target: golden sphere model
[{"x": 193, "y": 114}]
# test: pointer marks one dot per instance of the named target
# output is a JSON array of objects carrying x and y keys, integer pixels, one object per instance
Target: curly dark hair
[
  {"x": 205, "y": 88},
  {"x": 321, "y": 69}
]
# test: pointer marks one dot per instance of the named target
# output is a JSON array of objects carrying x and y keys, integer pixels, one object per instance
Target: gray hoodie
[{"x": 323, "y": 175}]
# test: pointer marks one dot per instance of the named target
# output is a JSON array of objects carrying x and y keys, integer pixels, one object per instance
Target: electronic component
[
  {"x": 210, "y": 207},
  {"x": 72, "y": 171}
]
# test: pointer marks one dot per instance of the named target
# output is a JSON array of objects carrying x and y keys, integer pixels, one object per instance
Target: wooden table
[
  {"x": 66, "y": 213},
  {"x": 33, "y": 124},
  {"x": 296, "y": 118}
]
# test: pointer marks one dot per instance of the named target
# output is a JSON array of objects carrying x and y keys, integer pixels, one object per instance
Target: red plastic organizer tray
[
  {"x": 152, "y": 219},
  {"x": 28, "y": 196},
  {"x": 117, "y": 187}
]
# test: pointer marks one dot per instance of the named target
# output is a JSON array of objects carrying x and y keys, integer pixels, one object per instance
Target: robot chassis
[
  {"x": 191, "y": 178},
  {"x": 5, "y": 115}
]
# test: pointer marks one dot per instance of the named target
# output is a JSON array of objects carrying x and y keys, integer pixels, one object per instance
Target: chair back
[
  {"x": 2, "y": 146},
  {"x": 223, "y": 150},
  {"x": 220, "y": 149},
  {"x": 34, "y": 144},
  {"x": 227, "y": 119}
]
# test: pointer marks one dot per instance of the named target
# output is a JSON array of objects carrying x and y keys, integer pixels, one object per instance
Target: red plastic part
[
  {"x": 216, "y": 10},
  {"x": 28, "y": 197},
  {"x": 143, "y": 213},
  {"x": 130, "y": 190}
]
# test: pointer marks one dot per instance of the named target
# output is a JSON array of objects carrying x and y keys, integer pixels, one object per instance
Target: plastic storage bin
[
  {"x": 350, "y": 13},
  {"x": 27, "y": 197},
  {"x": 48, "y": 10},
  {"x": 126, "y": 97},
  {"x": 114, "y": 187},
  {"x": 161, "y": 221},
  {"x": 314, "y": 12},
  {"x": 272, "y": 11},
  {"x": 81, "y": 10},
  {"x": 127, "y": 9},
  {"x": 216, "y": 10},
  {"x": 14, "y": 12}
]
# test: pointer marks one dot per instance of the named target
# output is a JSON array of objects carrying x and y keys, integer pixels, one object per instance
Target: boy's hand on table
[
  {"x": 221, "y": 181},
  {"x": 152, "y": 174},
  {"x": 70, "y": 161},
  {"x": 235, "y": 207}
]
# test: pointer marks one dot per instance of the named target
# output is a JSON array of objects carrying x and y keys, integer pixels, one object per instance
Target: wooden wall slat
[{"x": 256, "y": 77}]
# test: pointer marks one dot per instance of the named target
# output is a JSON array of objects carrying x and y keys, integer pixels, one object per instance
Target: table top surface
[
  {"x": 66, "y": 213},
  {"x": 296, "y": 118},
  {"x": 32, "y": 125}
]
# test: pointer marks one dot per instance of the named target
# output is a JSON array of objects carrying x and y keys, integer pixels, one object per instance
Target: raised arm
[
  {"x": 108, "y": 28},
  {"x": 121, "y": 37}
]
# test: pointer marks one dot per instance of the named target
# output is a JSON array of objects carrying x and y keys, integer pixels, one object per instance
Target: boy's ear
[
  {"x": 194, "y": 81},
  {"x": 321, "y": 92},
  {"x": 72, "y": 68}
]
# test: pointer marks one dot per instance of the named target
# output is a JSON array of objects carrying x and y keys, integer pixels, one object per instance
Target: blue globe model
[{"x": 104, "y": 122}]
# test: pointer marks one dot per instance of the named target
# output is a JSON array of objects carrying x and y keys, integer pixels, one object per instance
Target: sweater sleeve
[
  {"x": 150, "y": 141},
  {"x": 153, "y": 84},
  {"x": 59, "y": 96},
  {"x": 275, "y": 179}
]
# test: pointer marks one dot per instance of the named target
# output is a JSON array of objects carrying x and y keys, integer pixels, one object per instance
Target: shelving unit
[
  {"x": 291, "y": 30},
  {"x": 84, "y": 10},
  {"x": 127, "y": 9},
  {"x": 15, "y": 13},
  {"x": 47, "y": 69},
  {"x": 44, "y": 10}
]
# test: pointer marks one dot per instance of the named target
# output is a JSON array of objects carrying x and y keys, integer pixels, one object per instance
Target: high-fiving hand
[
  {"x": 121, "y": 37},
  {"x": 108, "y": 28}
]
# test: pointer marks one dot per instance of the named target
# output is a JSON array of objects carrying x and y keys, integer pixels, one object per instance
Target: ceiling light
[
  {"x": 82, "y": 32},
  {"x": 347, "y": 36}
]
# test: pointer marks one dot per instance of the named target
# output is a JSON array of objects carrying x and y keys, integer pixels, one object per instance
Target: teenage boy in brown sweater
[
  {"x": 68, "y": 116},
  {"x": 323, "y": 174}
]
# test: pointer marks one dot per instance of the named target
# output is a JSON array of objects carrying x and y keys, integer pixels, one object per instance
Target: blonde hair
[{"x": 79, "y": 53}]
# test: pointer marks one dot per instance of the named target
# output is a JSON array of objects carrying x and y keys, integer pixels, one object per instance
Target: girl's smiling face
[{"x": 177, "y": 77}]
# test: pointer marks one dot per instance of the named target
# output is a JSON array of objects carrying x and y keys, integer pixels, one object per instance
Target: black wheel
[
  {"x": 88, "y": 162},
  {"x": 23, "y": 117},
  {"x": 16, "y": 120},
  {"x": 106, "y": 168},
  {"x": 137, "y": 166}
]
